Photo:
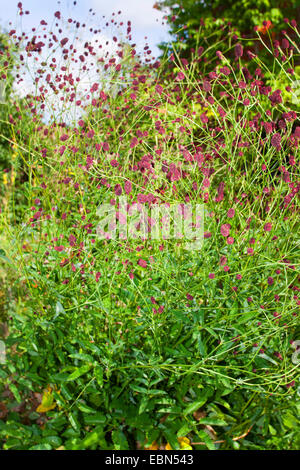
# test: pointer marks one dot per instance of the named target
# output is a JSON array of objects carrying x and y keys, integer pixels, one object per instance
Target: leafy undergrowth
[{"x": 131, "y": 343}]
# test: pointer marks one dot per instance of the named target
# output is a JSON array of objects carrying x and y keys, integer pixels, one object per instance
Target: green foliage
[{"x": 186, "y": 348}]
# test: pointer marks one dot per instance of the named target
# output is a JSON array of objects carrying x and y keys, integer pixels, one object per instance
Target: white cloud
[
  {"x": 140, "y": 12},
  {"x": 54, "y": 104}
]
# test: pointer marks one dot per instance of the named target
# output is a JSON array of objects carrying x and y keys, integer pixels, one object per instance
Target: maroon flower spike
[
  {"x": 64, "y": 41},
  {"x": 128, "y": 187},
  {"x": 72, "y": 240},
  {"x": 225, "y": 229},
  {"x": 238, "y": 51},
  {"x": 276, "y": 141},
  {"x": 142, "y": 263},
  {"x": 230, "y": 213},
  {"x": 268, "y": 227},
  {"x": 180, "y": 76},
  {"x": 206, "y": 86},
  {"x": 118, "y": 190}
]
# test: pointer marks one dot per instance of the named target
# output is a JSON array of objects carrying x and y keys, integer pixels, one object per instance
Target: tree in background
[
  {"x": 186, "y": 17},
  {"x": 244, "y": 15}
]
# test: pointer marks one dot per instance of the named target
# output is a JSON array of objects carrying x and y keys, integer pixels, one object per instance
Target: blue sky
[{"x": 146, "y": 21}]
